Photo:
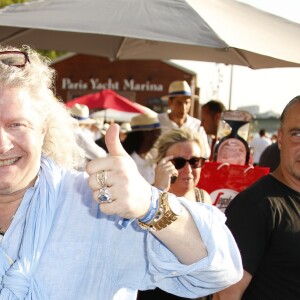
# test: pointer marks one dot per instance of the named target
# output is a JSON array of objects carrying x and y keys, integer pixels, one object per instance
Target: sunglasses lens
[
  {"x": 179, "y": 162},
  {"x": 16, "y": 59},
  {"x": 195, "y": 162}
]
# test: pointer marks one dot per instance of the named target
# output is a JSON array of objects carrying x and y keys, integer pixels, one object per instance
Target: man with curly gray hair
[{"x": 57, "y": 242}]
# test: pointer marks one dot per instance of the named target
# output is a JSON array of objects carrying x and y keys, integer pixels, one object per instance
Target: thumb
[{"x": 112, "y": 141}]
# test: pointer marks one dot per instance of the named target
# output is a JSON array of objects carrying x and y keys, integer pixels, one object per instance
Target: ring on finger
[
  {"x": 101, "y": 177},
  {"x": 104, "y": 195}
]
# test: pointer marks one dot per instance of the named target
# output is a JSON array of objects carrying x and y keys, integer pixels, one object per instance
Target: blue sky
[{"x": 271, "y": 89}]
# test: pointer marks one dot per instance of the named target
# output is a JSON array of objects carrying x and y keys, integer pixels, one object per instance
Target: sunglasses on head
[
  {"x": 194, "y": 162},
  {"x": 14, "y": 58}
]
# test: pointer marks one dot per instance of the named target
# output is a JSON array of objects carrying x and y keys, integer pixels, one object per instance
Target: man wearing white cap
[{"x": 179, "y": 101}]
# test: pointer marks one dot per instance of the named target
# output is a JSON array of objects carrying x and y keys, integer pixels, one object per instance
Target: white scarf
[{"x": 18, "y": 281}]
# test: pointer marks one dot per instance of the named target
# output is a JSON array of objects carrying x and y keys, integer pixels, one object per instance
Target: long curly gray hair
[{"x": 38, "y": 77}]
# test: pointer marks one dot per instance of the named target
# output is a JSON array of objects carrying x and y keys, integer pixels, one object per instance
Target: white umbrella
[
  {"x": 222, "y": 31},
  {"x": 120, "y": 116},
  {"x": 109, "y": 115}
]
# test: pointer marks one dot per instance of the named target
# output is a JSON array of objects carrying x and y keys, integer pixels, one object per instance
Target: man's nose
[
  {"x": 5, "y": 141},
  {"x": 186, "y": 106}
]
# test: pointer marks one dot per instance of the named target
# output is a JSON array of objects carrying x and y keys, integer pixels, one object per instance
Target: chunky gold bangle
[{"x": 165, "y": 215}]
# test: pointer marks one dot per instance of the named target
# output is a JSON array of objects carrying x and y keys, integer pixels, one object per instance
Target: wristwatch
[{"x": 169, "y": 210}]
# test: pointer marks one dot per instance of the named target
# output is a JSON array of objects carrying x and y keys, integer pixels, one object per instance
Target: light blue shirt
[{"x": 88, "y": 256}]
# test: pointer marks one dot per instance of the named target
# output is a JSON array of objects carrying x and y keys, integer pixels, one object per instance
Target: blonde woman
[{"x": 179, "y": 161}]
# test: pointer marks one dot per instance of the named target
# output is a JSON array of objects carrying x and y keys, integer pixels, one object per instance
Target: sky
[{"x": 270, "y": 89}]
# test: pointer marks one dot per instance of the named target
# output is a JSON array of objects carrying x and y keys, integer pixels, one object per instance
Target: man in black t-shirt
[{"x": 265, "y": 221}]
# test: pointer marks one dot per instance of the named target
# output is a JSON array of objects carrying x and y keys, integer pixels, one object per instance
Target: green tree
[{"x": 9, "y": 2}]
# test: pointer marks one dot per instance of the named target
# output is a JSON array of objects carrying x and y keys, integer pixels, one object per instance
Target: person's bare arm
[
  {"x": 235, "y": 291},
  {"x": 131, "y": 195},
  {"x": 182, "y": 238}
]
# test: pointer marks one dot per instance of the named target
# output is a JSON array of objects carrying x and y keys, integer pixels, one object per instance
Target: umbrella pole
[
  {"x": 193, "y": 87},
  {"x": 230, "y": 87}
]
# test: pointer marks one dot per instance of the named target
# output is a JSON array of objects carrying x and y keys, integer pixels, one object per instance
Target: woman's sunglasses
[{"x": 194, "y": 162}]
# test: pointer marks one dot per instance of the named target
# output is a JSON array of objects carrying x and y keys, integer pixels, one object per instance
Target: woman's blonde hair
[
  {"x": 37, "y": 77},
  {"x": 173, "y": 137}
]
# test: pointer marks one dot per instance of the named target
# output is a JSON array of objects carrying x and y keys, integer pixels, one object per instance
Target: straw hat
[
  {"x": 82, "y": 114},
  {"x": 179, "y": 88},
  {"x": 143, "y": 122}
]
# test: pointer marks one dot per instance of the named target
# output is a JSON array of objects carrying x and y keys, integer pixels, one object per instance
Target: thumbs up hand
[{"x": 129, "y": 191}]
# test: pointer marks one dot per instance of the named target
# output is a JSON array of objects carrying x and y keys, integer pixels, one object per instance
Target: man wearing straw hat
[{"x": 179, "y": 102}]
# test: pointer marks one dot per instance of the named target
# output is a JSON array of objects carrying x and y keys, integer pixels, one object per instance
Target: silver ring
[
  {"x": 101, "y": 177},
  {"x": 104, "y": 195}
]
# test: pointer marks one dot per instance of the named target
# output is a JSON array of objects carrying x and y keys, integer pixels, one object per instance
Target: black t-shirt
[
  {"x": 158, "y": 294},
  {"x": 265, "y": 221}
]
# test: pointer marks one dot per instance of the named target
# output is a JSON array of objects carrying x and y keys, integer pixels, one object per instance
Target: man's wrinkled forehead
[{"x": 291, "y": 116}]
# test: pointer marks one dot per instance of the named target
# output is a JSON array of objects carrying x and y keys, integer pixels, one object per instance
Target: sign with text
[{"x": 96, "y": 84}]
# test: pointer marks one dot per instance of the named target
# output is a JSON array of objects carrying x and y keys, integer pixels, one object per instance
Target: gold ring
[{"x": 101, "y": 177}]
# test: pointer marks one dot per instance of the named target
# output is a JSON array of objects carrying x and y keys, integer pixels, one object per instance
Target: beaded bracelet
[
  {"x": 153, "y": 206},
  {"x": 158, "y": 215}
]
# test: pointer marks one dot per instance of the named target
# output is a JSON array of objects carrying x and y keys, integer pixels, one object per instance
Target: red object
[
  {"x": 106, "y": 99},
  {"x": 224, "y": 181}
]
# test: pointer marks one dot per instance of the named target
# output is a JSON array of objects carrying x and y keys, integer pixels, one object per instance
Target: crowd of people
[
  {"x": 104, "y": 233},
  {"x": 115, "y": 212}
]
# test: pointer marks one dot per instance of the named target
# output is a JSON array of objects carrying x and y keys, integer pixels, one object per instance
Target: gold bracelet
[{"x": 168, "y": 211}]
